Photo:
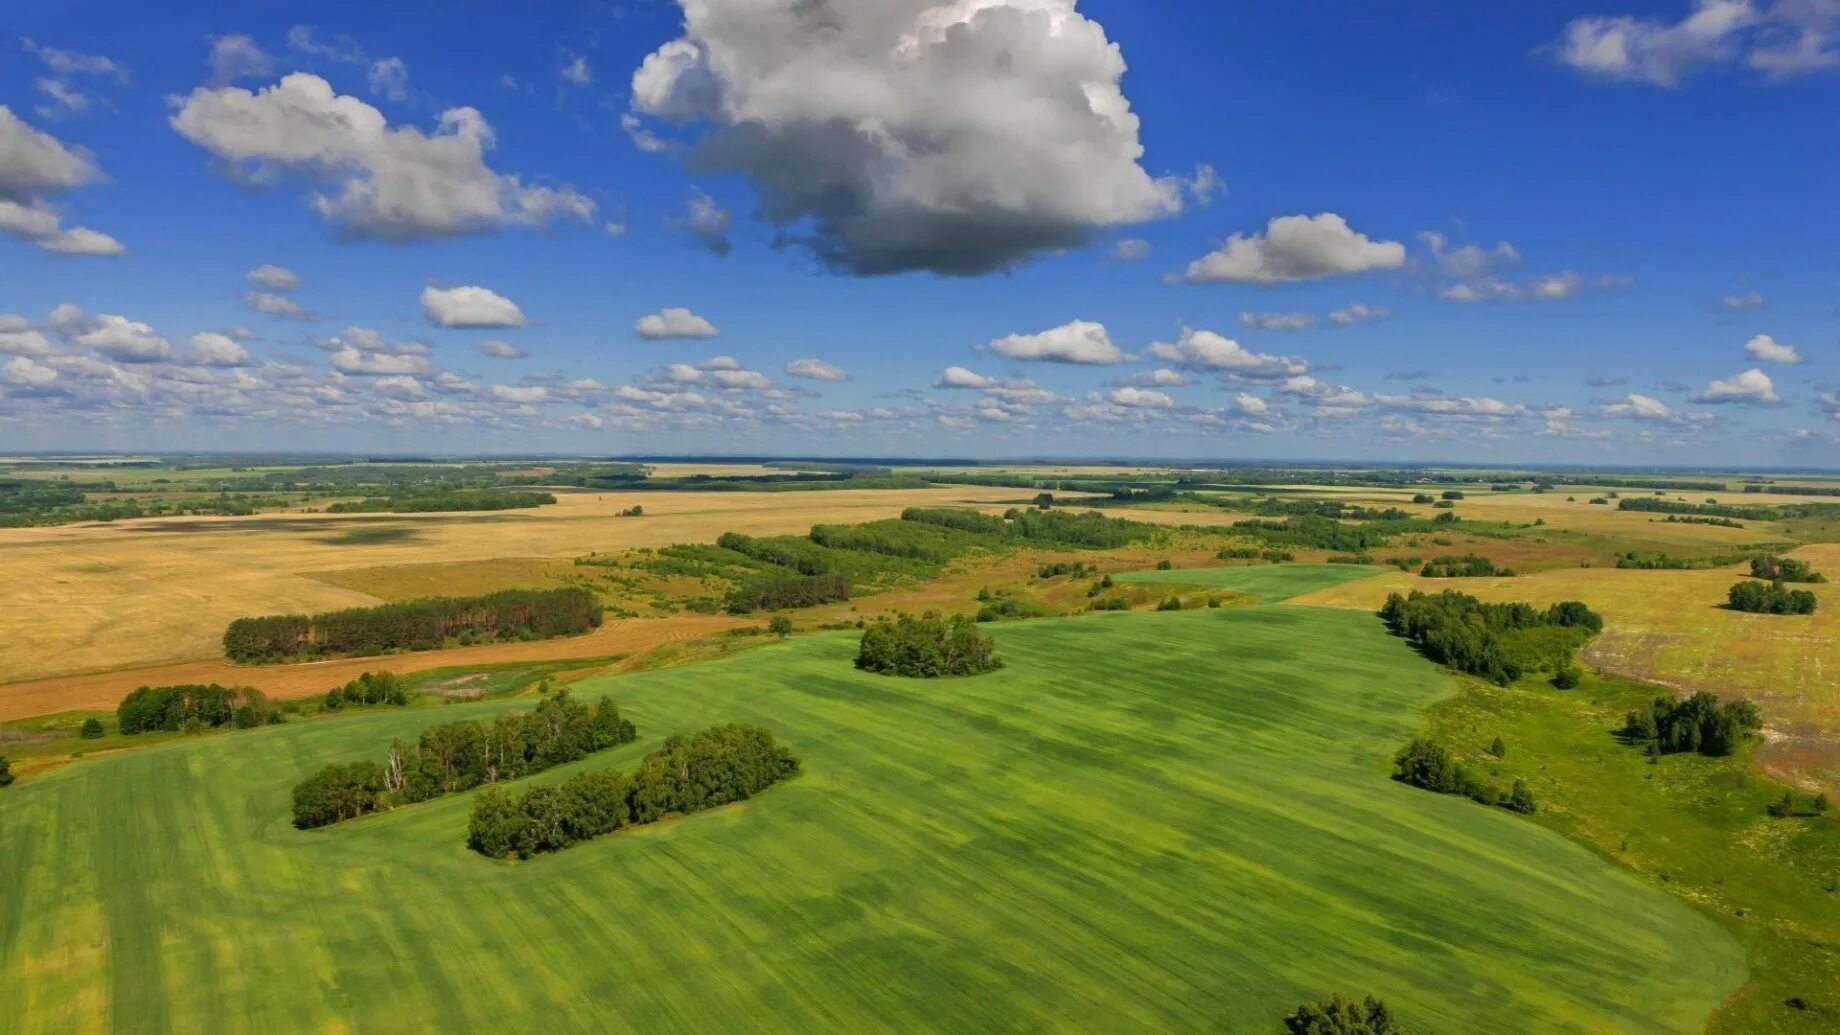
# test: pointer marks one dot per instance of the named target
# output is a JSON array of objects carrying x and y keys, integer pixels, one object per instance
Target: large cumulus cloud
[{"x": 957, "y": 136}]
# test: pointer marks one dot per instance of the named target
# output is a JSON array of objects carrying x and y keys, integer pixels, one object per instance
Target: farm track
[{"x": 105, "y": 689}]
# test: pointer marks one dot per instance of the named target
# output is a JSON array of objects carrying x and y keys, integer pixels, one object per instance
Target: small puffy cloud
[
  {"x": 1131, "y": 249},
  {"x": 816, "y": 370},
  {"x": 499, "y": 349},
  {"x": 394, "y": 182},
  {"x": 122, "y": 339},
  {"x": 274, "y": 278},
  {"x": 1783, "y": 39},
  {"x": 1469, "y": 261},
  {"x": 1296, "y": 248},
  {"x": 1269, "y": 321},
  {"x": 271, "y": 304},
  {"x": 1357, "y": 312},
  {"x": 1555, "y": 287},
  {"x": 577, "y": 72},
  {"x": 218, "y": 350},
  {"x": 1208, "y": 351},
  {"x": 35, "y": 165},
  {"x": 1635, "y": 406},
  {"x": 1751, "y": 387},
  {"x": 1143, "y": 398},
  {"x": 959, "y": 377},
  {"x": 1740, "y": 300},
  {"x": 707, "y": 221},
  {"x": 469, "y": 306},
  {"x": 388, "y": 77},
  {"x": 1081, "y": 341},
  {"x": 237, "y": 57},
  {"x": 352, "y": 360},
  {"x": 673, "y": 323},
  {"x": 521, "y": 393},
  {"x": 954, "y": 137},
  {"x": 1769, "y": 350}
]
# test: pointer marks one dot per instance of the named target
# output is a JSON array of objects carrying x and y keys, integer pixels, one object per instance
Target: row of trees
[
  {"x": 370, "y": 688},
  {"x": 1697, "y": 724},
  {"x": 687, "y": 773},
  {"x": 1770, "y": 598},
  {"x": 427, "y": 624},
  {"x": 453, "y": 757},
  {"x": 1498, "y": 642},
  {"x": 926, "y": 647},
  {"x": 194, "y": 706},
  {"x": 1427, "y": 764},
  {"x": 444, "y": 502}
]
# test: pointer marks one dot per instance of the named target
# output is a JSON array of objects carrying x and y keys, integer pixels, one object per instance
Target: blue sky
[{"x": 1596, "y": 232}]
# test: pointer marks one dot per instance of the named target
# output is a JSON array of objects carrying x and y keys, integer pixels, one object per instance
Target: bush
[
  {"x": 6, "y": 772},
  {"x": 1170, "y": 604},
  {"x": 1567, "y": 678},
  {"x": 686, "y": 774},
  {"x": 780, "y": 625},
  {"x": 926, "y": 648},
  {"x": 91, "y": 729},
  {"x": 1339, "y": 1015},
  {"x": 513, "y": 614}
]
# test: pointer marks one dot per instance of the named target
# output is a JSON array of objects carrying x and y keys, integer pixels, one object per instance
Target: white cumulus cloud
[
  {"x": 1080, "y": 341},
  {"x": 1769, "y": 350},
  {"x": 1208, "y": 351},
  {"x": 1296, "y": 248},
  {"x": 673, "y": 322},
  {"x": 1753, "y": 387},
  {"x": 816, "y": 370},
  {"x": 469, "y": 306}
]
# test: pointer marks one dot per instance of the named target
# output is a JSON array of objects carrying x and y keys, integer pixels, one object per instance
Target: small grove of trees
[
  {"x": 781, "y": 592},
  {"x": 926, "y": 647},
  {"x": 1698, "y": 724},
  {"x": 1341, "y": 1015},
  {"x": 1077, "y": 569},
  {"x": 1770, "y": 598},
  {"x": 513, "y": 614},
  {"x": 1468, "y": 566},
  {"x": 1498, "y": 642},
  {"x": 686, "y": 774},
  {"x": 444, "y": 502},
  {"x": 370, "y": 688},
  {"x": 1427, "y": 764},
  {"x": 1783, "y": 569},
  {"x": 453, "y": 757},
  {"x": 194, "y": 706}
]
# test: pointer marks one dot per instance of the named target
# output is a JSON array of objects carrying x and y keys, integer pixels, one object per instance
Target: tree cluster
[
  {"x": 427, "y": 624},
  {"x": 370, "y": 688},
  {"x": 1467, "y": 566},
  {"x": 1341, "y": 1015},
  {"x": 444, "y": 502},
  {"x": 1783, "y": 569},
  {"x": 1770, "y": 598},
  {"x": 1498, "y": 642},
  {"x": 453, "y": 757},
  {"x": 718, "y": 766},
  {"x": 781, "y": 592},
  {"x": 194, "y": 706},
  {"x": 1426, "y": 764},
  {"x": 926, "y": 647},
  {"x": 1697, "y": 724}
]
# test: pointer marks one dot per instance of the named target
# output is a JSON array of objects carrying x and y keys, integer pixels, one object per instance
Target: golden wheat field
[
  {"x": 96, "y": 598},
  {"x": 1668, "y": 627}
]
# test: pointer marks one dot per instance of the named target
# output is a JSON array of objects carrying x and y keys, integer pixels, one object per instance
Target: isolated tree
[
  {"x": 1820, "y": 804},
  {"x": 92, "y": 729},
  {"x": 6, "y": 771},
  {"x": 1498, "y": 749},
  {"x": 1520, "y": 799},
  {"x": 780, "y": 626}
]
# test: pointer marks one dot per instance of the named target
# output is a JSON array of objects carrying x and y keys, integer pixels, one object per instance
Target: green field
[
  {"x": 1146, "y": 821},
  {"x": 1270, "y": 583}
]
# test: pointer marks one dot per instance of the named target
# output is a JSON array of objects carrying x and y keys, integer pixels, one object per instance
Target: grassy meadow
[{"x": 1146, "y": 822}]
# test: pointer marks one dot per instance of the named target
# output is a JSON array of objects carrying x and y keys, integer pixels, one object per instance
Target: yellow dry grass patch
[
  {"x": 1667, "y": 627},
  {"x": 94, "y": 598}
]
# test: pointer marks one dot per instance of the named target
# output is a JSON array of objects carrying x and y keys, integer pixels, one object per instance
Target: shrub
[
  {"x": 91, "y": 729},
  {"x": 1567, "y": 678},
  {"x": 926, "y": 647},
  {"x": 6, "y": 772},
  {"x": 780, "y": 626},
  {"x": 1170, "y": 604}
]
